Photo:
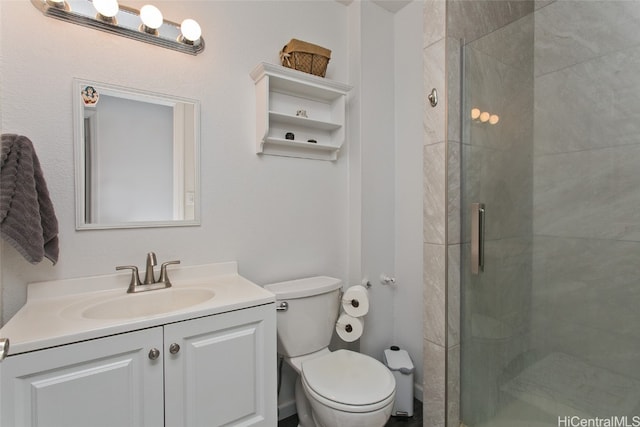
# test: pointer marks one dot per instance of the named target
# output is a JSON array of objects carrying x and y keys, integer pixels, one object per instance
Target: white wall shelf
[{"x": 280, "y": 93}]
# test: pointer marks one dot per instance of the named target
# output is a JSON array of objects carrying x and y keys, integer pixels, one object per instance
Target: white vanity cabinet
[
  {"x": 210, "y": 371},
  {"x": 307, "y": 106},
  {"x": 224, "y": 370},
  {"x": 103, "y": 382}
]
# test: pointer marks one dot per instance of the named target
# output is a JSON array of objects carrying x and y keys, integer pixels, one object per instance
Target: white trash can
[{"x": 400, "y": 365}]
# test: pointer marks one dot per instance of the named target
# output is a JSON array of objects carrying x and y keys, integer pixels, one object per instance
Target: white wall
[
  {"x": 279, "y": 217},
  {"x": 377, "y": 151},
  {"x": 386, "y": 173},
  {"x": 409, "y": 100}
]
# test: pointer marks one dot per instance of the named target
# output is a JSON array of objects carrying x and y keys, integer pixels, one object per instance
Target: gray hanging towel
[{"x": 27, "y": 218}]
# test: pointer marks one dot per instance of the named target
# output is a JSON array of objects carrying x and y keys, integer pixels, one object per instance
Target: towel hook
[{"x": 433, "y": 97}]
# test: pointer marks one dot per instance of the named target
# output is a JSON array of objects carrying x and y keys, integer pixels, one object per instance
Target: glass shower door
[
  {"x": 497, "y": 176},
  {"x": 550, "y": 327}
]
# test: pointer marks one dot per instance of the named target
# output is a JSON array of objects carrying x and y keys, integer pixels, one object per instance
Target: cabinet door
[
  {"x": 225, "y": 371},
  {"x": 103, "y": 382}
]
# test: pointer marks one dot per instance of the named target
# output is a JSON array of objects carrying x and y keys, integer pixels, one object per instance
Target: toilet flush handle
[
  {"x": 4, "y": 348},
  {"x": 283, "y": 306}
]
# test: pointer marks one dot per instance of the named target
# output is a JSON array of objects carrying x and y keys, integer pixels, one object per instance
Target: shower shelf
[{"x": 280, "y": 95}]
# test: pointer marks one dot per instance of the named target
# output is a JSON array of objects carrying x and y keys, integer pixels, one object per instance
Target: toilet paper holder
[
  {"x": 349, "y": 328},
  {"x": 346, "y": 327},
  {"x": 353, "y": 302},
  {"x": 387, "y": 280}
]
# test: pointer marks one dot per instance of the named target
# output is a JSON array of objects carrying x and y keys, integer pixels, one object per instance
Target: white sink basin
[
  {"x": 149, "y": 303},
  {"x": 60, "y": 312}
]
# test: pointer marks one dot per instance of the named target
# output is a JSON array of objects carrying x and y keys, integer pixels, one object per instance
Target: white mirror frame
[{"x": 80, "y": 152}]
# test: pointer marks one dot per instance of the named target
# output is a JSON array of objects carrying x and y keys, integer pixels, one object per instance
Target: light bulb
[
  {"x": 494, "y": 119},
  {"x": 106, "y": 8},
  {"x": 475, "y": 113},
  {"x": 484, "y": 116},
  {"x": 190, "y": 30},
  {"x": 151, "y": 16}
]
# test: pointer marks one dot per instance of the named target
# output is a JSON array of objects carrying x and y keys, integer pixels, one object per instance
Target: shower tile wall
[
  {"x": 587, "y": 185},
  {"x": 435, "y": 220},
  {"x": 586, "y": 190}
]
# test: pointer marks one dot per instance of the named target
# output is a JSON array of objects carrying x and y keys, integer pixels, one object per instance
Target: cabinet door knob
[
  {"x": 154, "y": 353},
  {"x": 174, "y": 348}
]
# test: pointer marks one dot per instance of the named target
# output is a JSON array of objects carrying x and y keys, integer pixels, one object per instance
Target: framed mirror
[{"x": 136, "y": 158}]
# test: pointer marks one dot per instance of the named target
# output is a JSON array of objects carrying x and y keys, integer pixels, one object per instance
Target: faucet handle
[
  {"x": 164, "y": 278},
  {"x": 135, "y": 278}
]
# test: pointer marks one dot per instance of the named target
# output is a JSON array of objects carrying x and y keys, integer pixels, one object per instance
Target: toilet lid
[{"x": 349, "y": 378}]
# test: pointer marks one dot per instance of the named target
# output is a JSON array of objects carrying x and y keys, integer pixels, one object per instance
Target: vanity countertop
[{"x": 55, "y": 312}]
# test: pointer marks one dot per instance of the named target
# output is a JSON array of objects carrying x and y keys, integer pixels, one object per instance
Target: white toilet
[{"x": 333, "y": 389}]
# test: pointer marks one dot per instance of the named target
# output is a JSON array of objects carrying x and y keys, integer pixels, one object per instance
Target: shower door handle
[{"x": 477, "y": 237}]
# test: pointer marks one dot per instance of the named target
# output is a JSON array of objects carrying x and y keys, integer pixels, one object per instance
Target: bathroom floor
[{"x": 415, "y": 421}]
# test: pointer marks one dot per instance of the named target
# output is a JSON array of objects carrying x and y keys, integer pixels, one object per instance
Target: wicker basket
[{"x": 307, "y": 57}]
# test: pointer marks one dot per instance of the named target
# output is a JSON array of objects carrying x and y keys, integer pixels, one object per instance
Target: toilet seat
[{"x": 348, "y": 381}]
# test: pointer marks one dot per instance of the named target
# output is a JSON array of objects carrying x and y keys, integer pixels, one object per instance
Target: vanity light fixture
[{"x": 146, "y": 25}]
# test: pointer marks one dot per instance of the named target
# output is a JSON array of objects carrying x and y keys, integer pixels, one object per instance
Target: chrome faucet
[
  {"x": 149, "y": 278},
  {"x": 148, "y": 275}
]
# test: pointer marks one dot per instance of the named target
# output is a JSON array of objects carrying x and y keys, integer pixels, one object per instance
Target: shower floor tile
[{"x": 561, "y": 384}]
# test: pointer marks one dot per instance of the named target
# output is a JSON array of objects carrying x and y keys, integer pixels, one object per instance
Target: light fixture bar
[{"x": 127, "y": 24}]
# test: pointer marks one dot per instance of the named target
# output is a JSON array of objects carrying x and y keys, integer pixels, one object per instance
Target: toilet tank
[{"x": 307, "y": 324}]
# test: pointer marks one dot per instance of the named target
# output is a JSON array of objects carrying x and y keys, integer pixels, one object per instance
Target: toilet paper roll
[
  {"x": 349, "y": 328},
  {"x": 355, "y": 301}
]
